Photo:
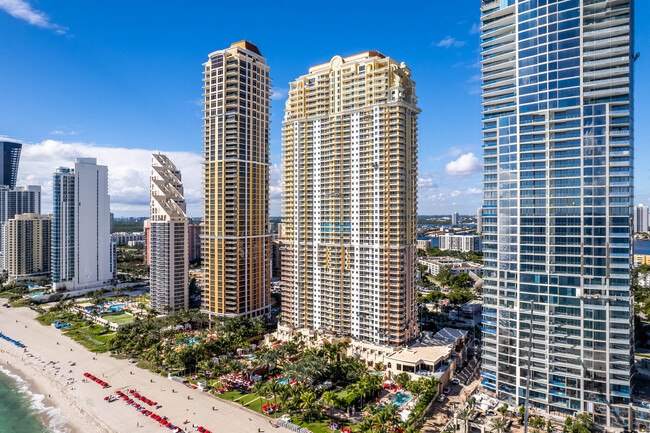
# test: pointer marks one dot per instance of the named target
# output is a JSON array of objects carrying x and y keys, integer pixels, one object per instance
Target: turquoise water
[
  {"x": 283, "y": 381},
  {"x": 22, "y": 411},
  {"x": 398, "y": 400},
  {"x": 117, "y": 307}
]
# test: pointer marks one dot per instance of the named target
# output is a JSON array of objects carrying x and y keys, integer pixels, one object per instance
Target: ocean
[{"x": 23, "y": 411}]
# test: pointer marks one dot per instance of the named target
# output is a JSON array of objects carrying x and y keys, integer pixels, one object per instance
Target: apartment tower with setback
[
  {"x": 557, "y": 81},
  {"x": 168, "y": 237},
  {"x": 349, "y": 165},
  {"x": 82, "y": 251},
  {"x": 236, "y": 231}
]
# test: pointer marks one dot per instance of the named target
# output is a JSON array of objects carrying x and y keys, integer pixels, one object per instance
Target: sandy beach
[{"x": 46, "y": 365}]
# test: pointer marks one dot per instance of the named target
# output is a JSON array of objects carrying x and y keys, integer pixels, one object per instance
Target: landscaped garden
[{"x": 317, "y": 387}]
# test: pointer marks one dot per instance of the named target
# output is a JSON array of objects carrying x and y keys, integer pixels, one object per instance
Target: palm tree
[
  {"x": 402, "y": 379},
  {"x": 471, "y": 402},
  {"x": 273, "y": 388},
  {"x": 497, "y": 426},
  {"x": 330, "y": 398},
  {"x": 465, "y": 415},
  {"x": 308, "y": 399},
  {"x": 365, "y": 426},
  {"x": 386, "y": 418},
  {"x": 504, "y": 410},
  {"x": 416, "y": 387}
]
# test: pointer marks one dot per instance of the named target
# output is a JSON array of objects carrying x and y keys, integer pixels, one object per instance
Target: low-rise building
[
  {"x": 432, "y": 356},
  {"x": 471, "y": 308},
  {"x": 641, "y": 259},
  {"x": 126, "y": 237},
  {"x": 423, "y": 244},
  {"x": 460, "y": 242},
  {"x": 457, "y": 266}
]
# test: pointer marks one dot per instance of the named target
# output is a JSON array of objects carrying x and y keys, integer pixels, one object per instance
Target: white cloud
[
  {"x": 448, "y": 42},
  {"x": 279, "y": 93},
  {"x": 465, "y": 165},
  {"x": 22, "y": 10},
  {"x": 475, "y": 29},
  {"x": 128, "y": 173}
]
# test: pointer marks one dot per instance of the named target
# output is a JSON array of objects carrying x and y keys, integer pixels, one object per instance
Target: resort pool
[
  {"x": 36, "y": 295},
  {"x": 398, "y": 400},
  {"x": 283, "y": 381},
  {"x": 117, "y": 307}
]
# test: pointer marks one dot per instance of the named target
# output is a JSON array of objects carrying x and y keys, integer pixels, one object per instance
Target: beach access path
[{"x": 46, "y": 365}]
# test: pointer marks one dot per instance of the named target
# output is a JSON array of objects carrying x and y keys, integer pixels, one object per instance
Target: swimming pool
[
  {"x": 398, "y": 400},
  {"x": 283, "y": 381},
  {"x": 116, "y": 307}
]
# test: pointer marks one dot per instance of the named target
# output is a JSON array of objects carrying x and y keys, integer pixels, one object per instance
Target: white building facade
[
  {"x": 168, "y": 237},
  {"x": 82, "y": 251},
  {"x": 640, "y": 219},
  {"x": 460, "y": 242}
]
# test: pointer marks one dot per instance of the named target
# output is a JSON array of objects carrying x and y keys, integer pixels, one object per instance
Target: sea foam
[{"x": 55, "y": 421}]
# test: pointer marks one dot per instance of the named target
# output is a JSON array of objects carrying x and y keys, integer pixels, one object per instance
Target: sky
[{"x": 118, "y": 80}]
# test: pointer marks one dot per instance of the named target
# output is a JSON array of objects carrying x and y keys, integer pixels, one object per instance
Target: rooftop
[
  {"x": 431, "y": 351},
  {"x": 451, "y": 335},
  {"x": 247, "y": 46},
  {"x": 355, "y": 57}
]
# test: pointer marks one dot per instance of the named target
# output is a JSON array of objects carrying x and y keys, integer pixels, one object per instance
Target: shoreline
[
  {"x": 45, "y": 366},
  {"x": 43, "y": 408}
]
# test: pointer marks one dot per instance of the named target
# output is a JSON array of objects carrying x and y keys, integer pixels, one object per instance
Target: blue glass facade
[
  {"x": 63, "y": 206},
  {"x": 10, "y": 159},
  {"x": 558, "y": 195}
]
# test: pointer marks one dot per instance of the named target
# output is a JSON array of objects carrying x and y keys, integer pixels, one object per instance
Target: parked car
[
  {"x": 131, "y": 360},
  {"x": 441, "y": 398}
]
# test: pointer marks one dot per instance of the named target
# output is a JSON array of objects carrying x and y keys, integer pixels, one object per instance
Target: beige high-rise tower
[
  {"x": 350, "y": 200},
  {"x": 28, "y": 245},
  {"x": 167, "y": 243},
  {"x": 236, "y": 231}
]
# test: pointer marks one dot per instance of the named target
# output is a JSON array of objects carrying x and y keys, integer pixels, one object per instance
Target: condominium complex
[
  {"x": 194, "y": 241},
  {"x": 460, "y": 242},
  {"x": 479, "y": 221},
  {"x": 454, "y": 218},
  {"x": 558, "y": 193},
  {"x": 82, "y": 251},
  {"x": 640, "y": 219},
  {"x": 236, "y": 229},
  {"x": 168, "y": 237},
  {"x": 350, "y": 200},
  {"x": 28, "y": 240},
  {"x": 16, "y": 201},
  {"x": 10, "y": 153}
]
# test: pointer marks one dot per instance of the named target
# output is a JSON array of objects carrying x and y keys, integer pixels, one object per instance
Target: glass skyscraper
[
  {"x": 9, "y": 163},
  {"x": 557, "y": 81}
]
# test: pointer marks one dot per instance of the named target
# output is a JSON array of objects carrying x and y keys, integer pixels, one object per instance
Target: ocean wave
[{"x": 55, "y": 421}]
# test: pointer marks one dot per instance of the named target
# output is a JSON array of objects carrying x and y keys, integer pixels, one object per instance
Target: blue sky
[{"x": 119, "y": 79}]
